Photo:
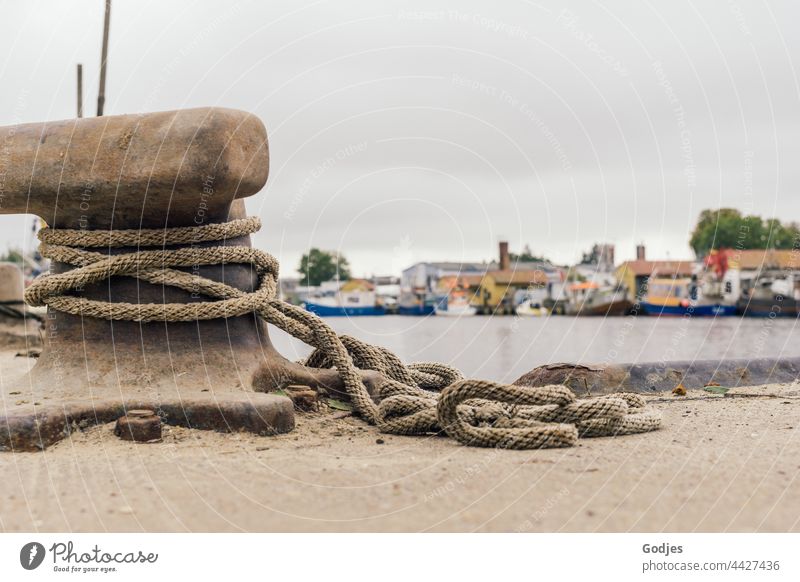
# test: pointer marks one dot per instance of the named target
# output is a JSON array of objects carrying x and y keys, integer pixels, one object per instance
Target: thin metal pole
[
  {"x": 80, "y": 90},
  {"x": 101, "y": 94}
]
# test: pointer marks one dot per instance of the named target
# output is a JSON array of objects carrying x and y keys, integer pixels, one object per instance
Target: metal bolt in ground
[{"x": 142, "y": 426}]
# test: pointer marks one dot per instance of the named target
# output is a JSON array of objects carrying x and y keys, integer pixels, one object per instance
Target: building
[
  {"x": 634, "y": 275},
  {"x": 419, "y": 282},
  {"x": 449, "y": 283},
  {"x": 756, "y": 260},
  {"x": 601, "y": 257},
  {"x": 494, "y": 287},
  {"x": 425, "y": 276},
  {"x": 499, "y": 289}
]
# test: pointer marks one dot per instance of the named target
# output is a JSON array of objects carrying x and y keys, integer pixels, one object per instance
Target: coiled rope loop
[{"x": 415, "y": 399}]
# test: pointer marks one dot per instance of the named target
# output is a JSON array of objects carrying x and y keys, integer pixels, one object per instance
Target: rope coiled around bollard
[{"x": 415, "y": 399}]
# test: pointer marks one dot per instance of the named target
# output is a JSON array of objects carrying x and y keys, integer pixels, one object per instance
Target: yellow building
[{"x": 497, "y": 289}]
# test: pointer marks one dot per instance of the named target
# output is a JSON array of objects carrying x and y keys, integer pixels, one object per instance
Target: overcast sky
[{"x": 408, "y": 131}]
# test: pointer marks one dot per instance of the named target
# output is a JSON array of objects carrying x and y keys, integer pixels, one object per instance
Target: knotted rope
[{"x": 414, "y": 399}]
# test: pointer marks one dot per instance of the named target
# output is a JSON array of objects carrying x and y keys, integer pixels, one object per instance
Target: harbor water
[{"x": 504, "y": 348}]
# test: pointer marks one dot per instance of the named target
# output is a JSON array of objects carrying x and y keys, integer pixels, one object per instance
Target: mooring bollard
[
  {"x": 185, "y": 168},
  {"x": 157, "y": 302}
]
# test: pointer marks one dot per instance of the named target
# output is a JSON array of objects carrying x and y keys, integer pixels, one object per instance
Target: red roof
[
  {"x": 660, "y": 268},
  {"x": 754, "y": 259},
  {"x": 584, "y": 285},
  {"x": 519, "y": 277}
]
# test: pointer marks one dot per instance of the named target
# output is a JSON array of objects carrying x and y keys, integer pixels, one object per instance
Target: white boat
[
  {"x": 462, "y": 310},
  {"x": 355, "y": 297},
  {"x": 456, "y": 298},
  {"x": 530, "y": 308}
]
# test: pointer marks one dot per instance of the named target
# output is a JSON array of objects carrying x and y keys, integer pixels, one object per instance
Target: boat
[
  {"x": 530, "y": 308},
  {"x": 769, "y": 295},
  {"x": 460, "y": 311},
  {"x": 324, "y": 308},
  {"x": 454, "y": 298},
  {"x": 418, "y": 303},
  {"x": 354, "y": 298},
  {"x": 683, "y": 296},
  {"x": 420, "y": 310},
  {"x": 455, "y": 306},
  {"x": 589, "y": 298}
]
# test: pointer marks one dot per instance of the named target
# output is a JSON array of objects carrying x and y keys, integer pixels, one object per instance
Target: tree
[
  {"x": 727, "y": 228},
  {"x": 318, "y": 266},
  {"x": 12, "y": 256},
  {"x": 526, "y": 256}
]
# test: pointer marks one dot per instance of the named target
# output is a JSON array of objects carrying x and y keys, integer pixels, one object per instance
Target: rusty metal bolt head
[
  {"x": 142, "y": 426},
  {"x": 303, "y": 397}
]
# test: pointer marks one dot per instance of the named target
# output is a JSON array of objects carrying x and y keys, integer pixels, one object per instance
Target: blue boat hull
[
  {"x": 714, "y": 310},
  {"x": 415, "y": 310},
  {"x": 329, "y": 311},
  {"x": 779, "y": 306}
]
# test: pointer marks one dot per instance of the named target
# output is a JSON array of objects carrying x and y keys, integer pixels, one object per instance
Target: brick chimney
[
  {"x": 505, "y": 260},
  {"x": 640, "y": 253}
]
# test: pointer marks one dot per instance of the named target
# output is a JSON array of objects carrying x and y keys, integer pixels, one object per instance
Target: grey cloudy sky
[{"x": 406, "y": 131}]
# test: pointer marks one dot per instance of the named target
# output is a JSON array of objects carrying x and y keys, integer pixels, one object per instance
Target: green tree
[
  {"x": 727, "y": 228},
  {"x": 318, "y": 266},
  {"x": 12, "y": 256},
  {"x": 526, "y": 256},
  {"x": 717, "y": 229}
]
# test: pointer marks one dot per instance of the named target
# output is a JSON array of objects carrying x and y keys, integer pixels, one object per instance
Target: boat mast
[{"x": 101, "y": 93}]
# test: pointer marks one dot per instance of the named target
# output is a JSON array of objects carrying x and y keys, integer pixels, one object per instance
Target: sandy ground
[{"x": 719, "y": 464}]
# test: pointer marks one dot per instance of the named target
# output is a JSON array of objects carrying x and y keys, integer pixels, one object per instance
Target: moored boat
[
  {"x": 769, "y": 295},
  {"x": 457, "y": 310},
  {"x": 589, "y": 298},
  {"x": 681, "y": 296},
  {"x": 778, "y": 306},
  {"x": 354, "y": 298},
  {"x": 530, "y": 308},
  {"x": 454, "y": 298},
  {"x": 326, "y": 309},
  {"x": 455, "y": 304},
  {"x": 418, "y": 309},
  {"x": 418, "y": 303}
]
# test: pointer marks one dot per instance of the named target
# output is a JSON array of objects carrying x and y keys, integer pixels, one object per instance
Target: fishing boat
[
  {"x": 327, "y": 308},
  {"x": 354, "y": 298},
  {"x": 589, "y": 298},
  {"x": 769, "y": 295},
  {"x": 683, "y": 296}
]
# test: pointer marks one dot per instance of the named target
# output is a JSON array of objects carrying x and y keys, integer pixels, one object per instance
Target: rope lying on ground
[{"x": 414, "y": 399}]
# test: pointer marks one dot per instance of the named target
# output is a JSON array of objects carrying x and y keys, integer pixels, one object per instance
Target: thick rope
[{"x": 415, "y": 399}]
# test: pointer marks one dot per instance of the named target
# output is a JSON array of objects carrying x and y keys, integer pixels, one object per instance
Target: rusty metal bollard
[{"x": 180, "y": 168}]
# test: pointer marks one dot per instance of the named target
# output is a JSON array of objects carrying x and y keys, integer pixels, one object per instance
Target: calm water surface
[{"x": 504, "y": 348}]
